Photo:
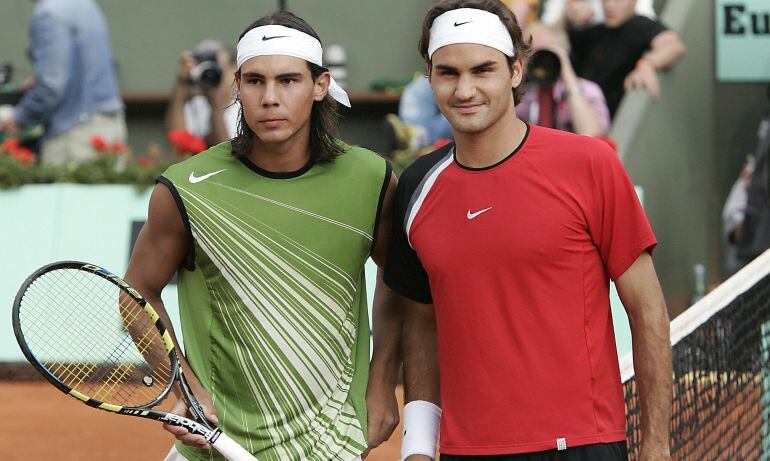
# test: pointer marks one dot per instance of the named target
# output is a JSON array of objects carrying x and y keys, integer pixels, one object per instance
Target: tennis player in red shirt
[{"x": 504, "y": 244}]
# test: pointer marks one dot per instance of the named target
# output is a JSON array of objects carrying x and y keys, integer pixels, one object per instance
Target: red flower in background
[
  {"x": 185, "y": 142},
  {"x": 145, "y": 162},
  {"x": 13, "y": 147},
  {"x": 23, "y": 155},
  {"x": 98, "y": 143},
  {"x": 10, "y": 145},
  {"x": 118, "y": 147}
]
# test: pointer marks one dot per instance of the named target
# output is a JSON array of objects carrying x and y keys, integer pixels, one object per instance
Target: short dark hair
[
  {"x": 324, "y": 118},
  {"x": 521, "y": 48}
]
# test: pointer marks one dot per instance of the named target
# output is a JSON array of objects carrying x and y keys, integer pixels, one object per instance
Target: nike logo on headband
[
  {"x": 266, "y": 38},
  {"x": 458, "y": 24}
]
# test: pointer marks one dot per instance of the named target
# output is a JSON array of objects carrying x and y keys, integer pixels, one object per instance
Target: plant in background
[
  {"x": 115, "y": 164},
  {"x": 16, "y": 164},
  {"x": 16, "y": 151}
]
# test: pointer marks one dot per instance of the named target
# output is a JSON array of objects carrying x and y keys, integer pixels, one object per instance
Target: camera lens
[
  {"x": 207, "y": 74},
  {"x": 544, "y": 68}
]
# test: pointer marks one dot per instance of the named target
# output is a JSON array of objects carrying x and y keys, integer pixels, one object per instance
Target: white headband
[
  {"x": 470, "y": 25},
  {"x": 285, "y": 41}
]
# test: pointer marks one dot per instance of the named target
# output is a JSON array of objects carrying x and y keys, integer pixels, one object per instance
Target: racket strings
[{"x": 95, "y": 338}]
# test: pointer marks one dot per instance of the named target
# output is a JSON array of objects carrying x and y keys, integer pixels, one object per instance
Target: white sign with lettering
[{"x": 743, "y": 40}]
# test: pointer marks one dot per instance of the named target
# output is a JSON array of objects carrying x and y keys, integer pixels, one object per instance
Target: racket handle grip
[{"x": 231, "y": 450}]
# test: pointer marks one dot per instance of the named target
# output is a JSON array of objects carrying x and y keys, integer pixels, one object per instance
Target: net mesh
[
  {"x": 721, "y": 390},
  {"x": 94, "y": 338}
]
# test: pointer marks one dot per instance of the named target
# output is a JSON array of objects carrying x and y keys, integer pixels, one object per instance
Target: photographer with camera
[
  {"x": 202, "y": 99},
  {"x": 556, "y": 97}
]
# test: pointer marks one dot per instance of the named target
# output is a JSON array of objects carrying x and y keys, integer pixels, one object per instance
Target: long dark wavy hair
[{"x": 324, "y": 117}]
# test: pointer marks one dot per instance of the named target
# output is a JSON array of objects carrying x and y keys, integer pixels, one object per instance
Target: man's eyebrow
[
  {"x": 484, "y": 64},
  {"x": 279, "y": 76},
  {"x": 488, "y": 63},
  {"x": 289, "y": 75},
  {"x": 445, "y": 67}
]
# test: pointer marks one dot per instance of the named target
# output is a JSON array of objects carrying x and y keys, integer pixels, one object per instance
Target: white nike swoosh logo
[
  {"x": 473, "y": 215},
  {"x": 196, "y": 179}
]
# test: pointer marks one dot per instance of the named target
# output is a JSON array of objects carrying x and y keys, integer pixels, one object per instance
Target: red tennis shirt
[{"x": 516, "y": 259}]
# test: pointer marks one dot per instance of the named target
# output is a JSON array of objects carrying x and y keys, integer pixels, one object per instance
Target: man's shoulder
[
  {"x": 424, "y": 165},
  {"x": 565, "y": 147},
  {"x": 638, "y": 24},
  {"x": 218, "y": 156},
  {"x": 359, "y": 161}
]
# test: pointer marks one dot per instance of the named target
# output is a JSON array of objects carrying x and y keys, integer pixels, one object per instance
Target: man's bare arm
[
  {"x": 420, "y": 346},
  {"x": 387, "y": 318},
  {"x": 642, "y": 297},
  {"x": 666, "y": 49},
  {"x": 159, "y": 251}
]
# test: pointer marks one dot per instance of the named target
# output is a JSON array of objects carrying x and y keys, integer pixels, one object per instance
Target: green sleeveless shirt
[{"x": 272, "y": 298}]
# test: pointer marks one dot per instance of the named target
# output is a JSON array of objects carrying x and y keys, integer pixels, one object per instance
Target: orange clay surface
[{"x": 37, "y": 422}]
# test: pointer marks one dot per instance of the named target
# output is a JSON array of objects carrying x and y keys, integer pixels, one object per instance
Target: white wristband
[{"x": 421, "y": 426}]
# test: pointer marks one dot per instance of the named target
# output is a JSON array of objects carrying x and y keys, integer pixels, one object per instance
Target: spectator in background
[
  {"x": 425, "y": 124},
  {"x": 556, "y": 97},
  {"x": 733, "y": 215},
  {"x": 202, "y": 99},
  {"x": 753, "y": 236},
  {"x": 75, "y": 94},
  {"x": 624, "y": 52},
  {"x": 591, "y": 10},
  {"x": 526, "y": 11}
]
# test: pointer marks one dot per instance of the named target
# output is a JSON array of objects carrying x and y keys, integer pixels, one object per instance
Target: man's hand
[
  {"x": 186, "y": 64},
  {"x": 180, "y": 408},
  {"x": 578, "y": 13},
  {"x": 382, "y": 413},
  {"x": 221, "y": 96},
  {"x": 643, "y": 77}
]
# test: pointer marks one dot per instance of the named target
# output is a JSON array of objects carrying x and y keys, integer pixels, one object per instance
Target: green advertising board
[{"x": 743, "y": 40}]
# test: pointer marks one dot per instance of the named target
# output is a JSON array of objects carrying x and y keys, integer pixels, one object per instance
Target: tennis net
[{"x": 721, "y": 370}]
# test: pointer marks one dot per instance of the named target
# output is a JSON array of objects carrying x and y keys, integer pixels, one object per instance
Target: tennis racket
[{"x": 94, "y": 337}]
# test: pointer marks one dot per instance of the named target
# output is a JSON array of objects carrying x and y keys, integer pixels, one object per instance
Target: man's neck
[
  {"x": 286, "y": 157},
  {"x": 484, "y": 149}
]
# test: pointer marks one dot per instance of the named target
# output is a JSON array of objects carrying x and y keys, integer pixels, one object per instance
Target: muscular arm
[
  {"x": 386, "y": 312},
  {"x": 420, "y": 346},
  {"x": 642, "y": 297},
  {"x": 160, "y": 249},
  {"x": 386, "y": 324}
]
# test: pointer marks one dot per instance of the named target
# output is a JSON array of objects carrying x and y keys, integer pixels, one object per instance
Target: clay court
[{"x": 37, "y": 422}]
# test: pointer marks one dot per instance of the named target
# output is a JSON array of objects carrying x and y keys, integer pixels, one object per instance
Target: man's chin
[
  {"x": 272, "y": 137},
  {"x": 467, "y": 127}
]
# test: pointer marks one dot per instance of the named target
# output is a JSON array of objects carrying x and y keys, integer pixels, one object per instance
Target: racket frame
[{"x": 201, "y": 426}]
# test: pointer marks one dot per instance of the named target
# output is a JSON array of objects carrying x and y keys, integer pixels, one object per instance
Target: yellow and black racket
[{"x": 97, "y": 339}]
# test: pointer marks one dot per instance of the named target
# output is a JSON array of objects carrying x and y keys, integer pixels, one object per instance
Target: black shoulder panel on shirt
[{"x": 412, "y": 177}]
